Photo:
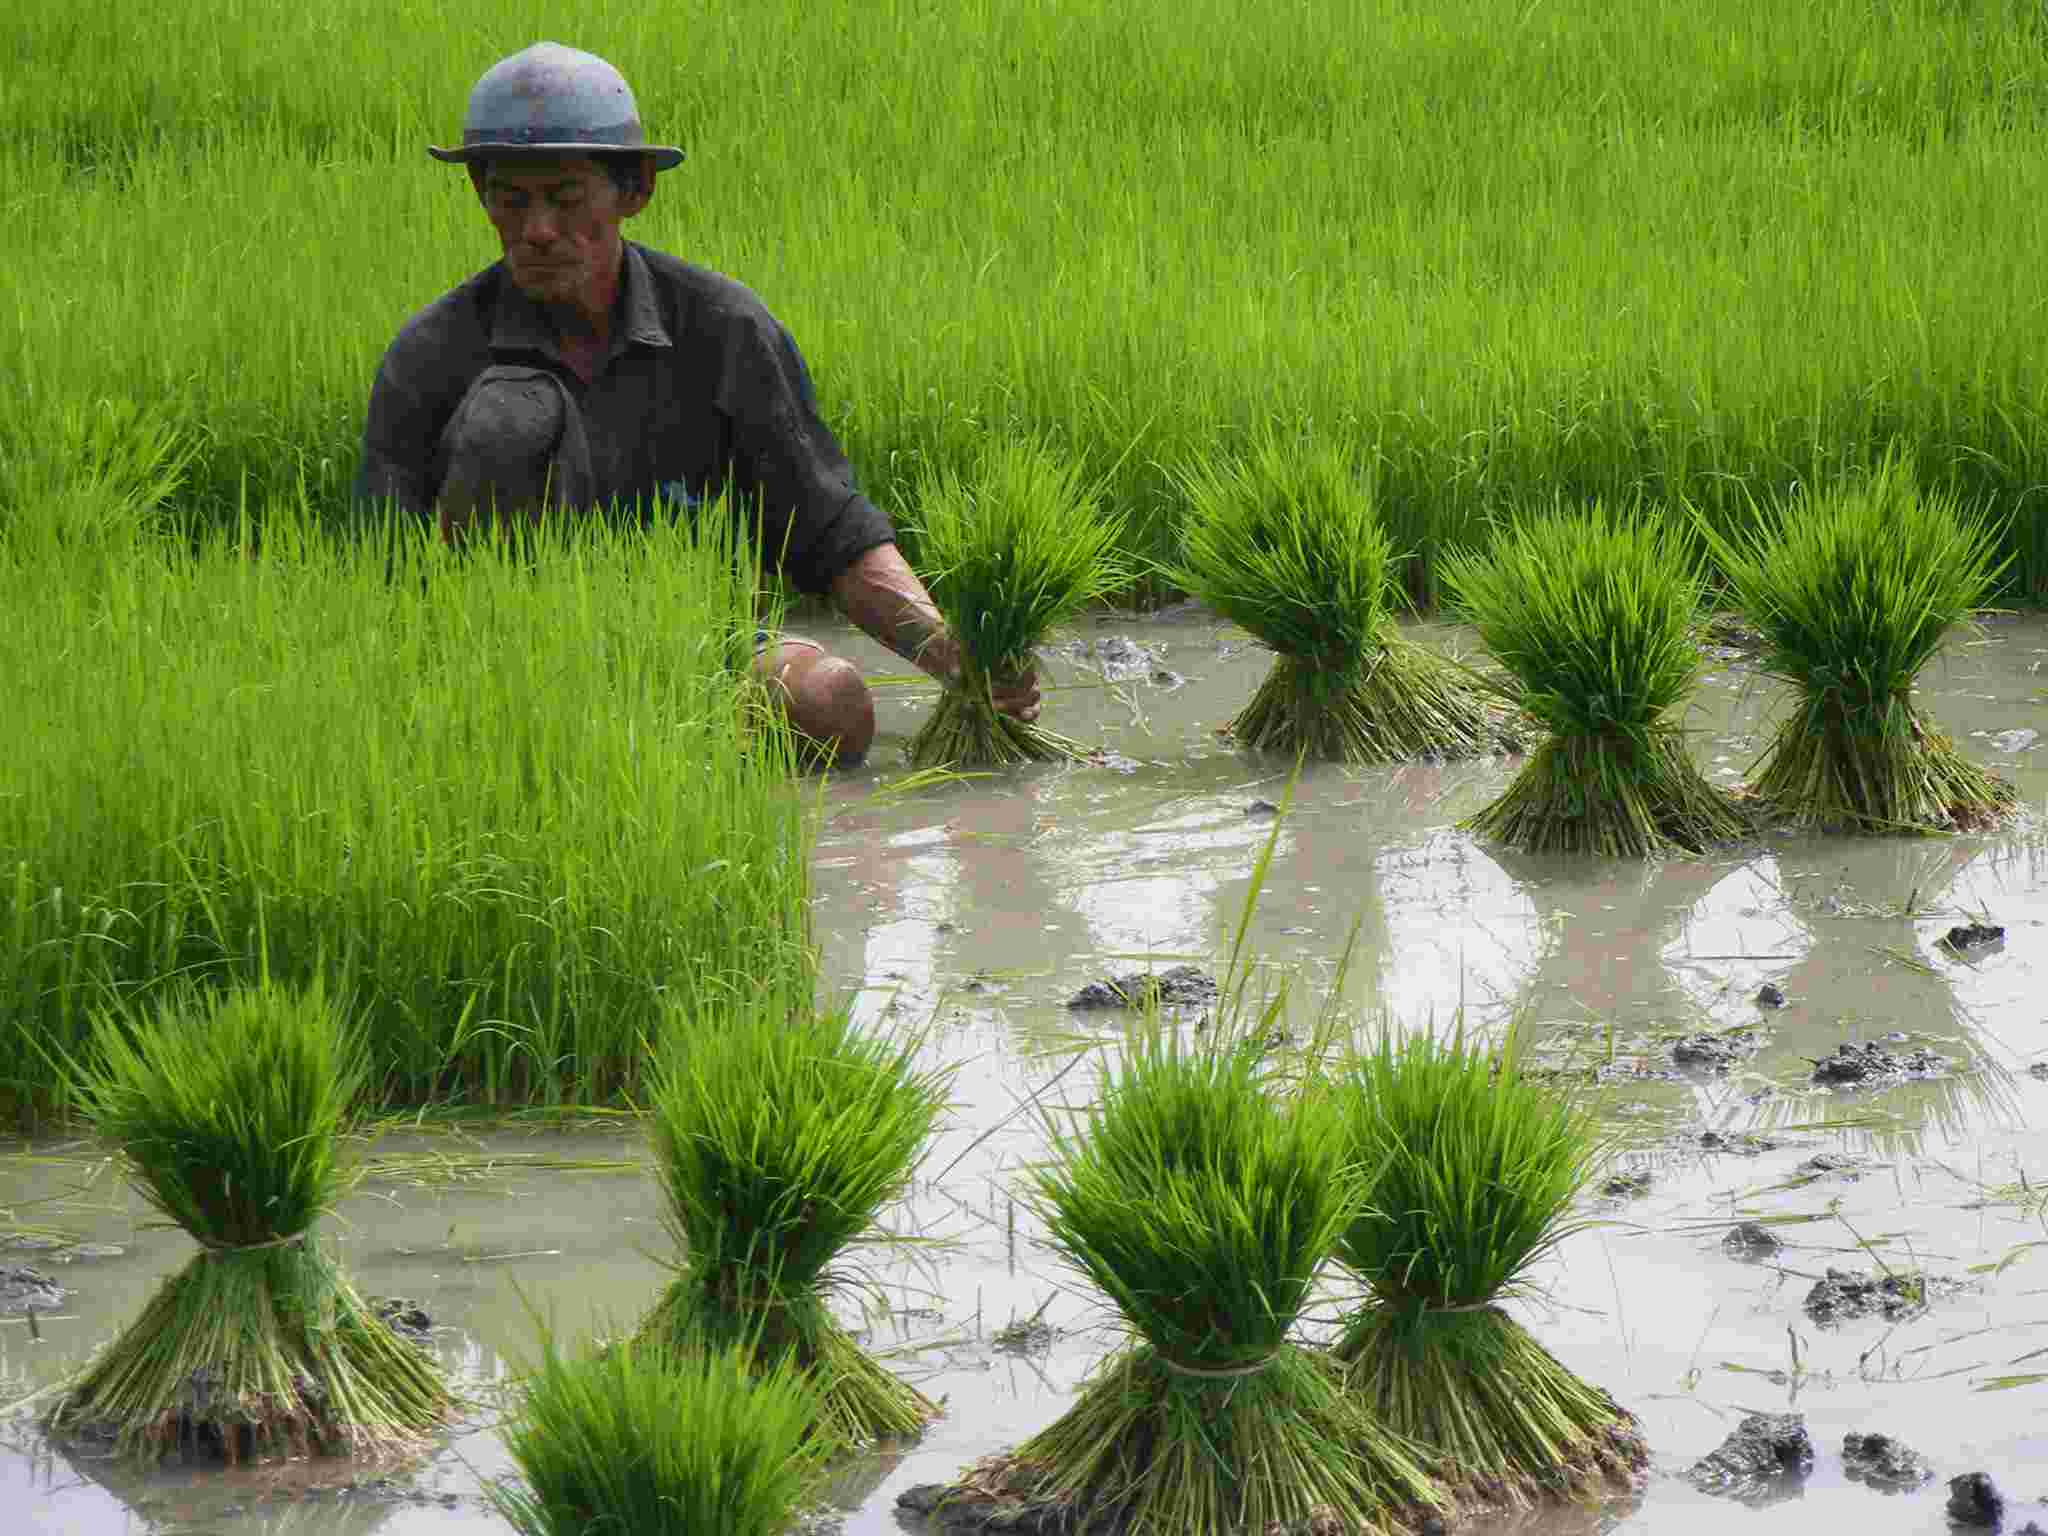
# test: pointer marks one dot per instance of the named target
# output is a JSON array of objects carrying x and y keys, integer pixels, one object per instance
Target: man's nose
[{"x": 540, "y": 227}]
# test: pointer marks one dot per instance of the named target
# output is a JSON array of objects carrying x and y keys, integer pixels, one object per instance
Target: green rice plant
[
  {"x": 1591, "y": 613},
  {"x": 1202, "y": 1206},
  {"x": 1007, "y": 551},
  {"x": 1288, "y": 542},
  {"x": 1853, "y": 588},
  {"x": 230, "y": 1115},
  {"x": 631, "y": 1438},
  {"x": 779, "y": 1133},
  {"x": 1470, "y": 1171},
  {"x": 501, "y": 803}
]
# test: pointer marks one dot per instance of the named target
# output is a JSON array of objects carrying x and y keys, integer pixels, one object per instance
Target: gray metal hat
[{"x": 548, "y": 99}]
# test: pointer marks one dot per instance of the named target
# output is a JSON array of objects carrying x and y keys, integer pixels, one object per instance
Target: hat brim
[{"x": 666, "y": 156}]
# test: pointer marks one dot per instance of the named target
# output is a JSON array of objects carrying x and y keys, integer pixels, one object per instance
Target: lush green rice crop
[
  {"x": 1592, "y": 613},
  {"x": 1470, "y": 1171},
  {"x": 1289, "y": 543},
  {"x": 230, "y": 1116},
  {"x": 631, "y": 1438},
  {"x": 1853, "y": 588},
  {"x": 506, "y": 806},
  {"x": 1202, "y": 1207},
  {"x": 1006, "y": 551},
  {"x": 1675, "y": 248},
  {"x": 779, "y": 1134}
]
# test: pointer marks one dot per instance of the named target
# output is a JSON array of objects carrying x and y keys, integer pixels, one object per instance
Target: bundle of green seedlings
[
  {"x": 1007, "y": 551},
  {"x": 1591, "y": 613},
  {"x": 1470, "y": 1172},
  {"x": 780, "y": 1131},
  {"x": 1288, "y": 543},
  {"x": 1852, "y": 588},
  {"x": 230, "y": 1114},
  {"x": 1202, "y": 1200},
  {"x": 631, "y": 1438}
]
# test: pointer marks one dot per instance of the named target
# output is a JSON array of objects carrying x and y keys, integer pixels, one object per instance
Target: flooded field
[{"x": 1702, "y": 996}]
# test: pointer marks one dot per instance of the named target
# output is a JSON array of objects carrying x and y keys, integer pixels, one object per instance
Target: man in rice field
[{"x": 583, "y": 370}]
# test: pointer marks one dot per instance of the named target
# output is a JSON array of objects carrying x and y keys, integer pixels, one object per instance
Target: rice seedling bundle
[
  {"x": 1202, "y": 1208},
  {"x": 1853, "y": 588},
  {"x": 634, "y": 1439},
  {"x": 230, "y": 1116},
  {"x": 779, "y": 1133},
  {"x": 1591, "y": 613},
  {"x": 1289, "y": 544},
  {"x": 1470, "y": 1172},
  {"x": 1007, "y": 550}
]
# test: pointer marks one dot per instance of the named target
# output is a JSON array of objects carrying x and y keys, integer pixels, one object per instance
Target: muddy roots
[
  {"x": 1405, "y": 701},
  {"x": 964, "y": 730},
  {"x": 1610, "y": 796},
  {"x": 1875, "y": 769},
  {"x": 1146, "y": 1447},
  {"x": 257, "y": 1352},
  {"x": 859, "y": 1400},
  {"x": 1508, "y": 1425}
]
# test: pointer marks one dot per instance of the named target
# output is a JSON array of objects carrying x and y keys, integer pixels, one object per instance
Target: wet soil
[{"x": 979, "y": 909}]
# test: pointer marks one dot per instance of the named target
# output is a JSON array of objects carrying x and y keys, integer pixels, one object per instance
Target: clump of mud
[
  {"x": 26, "y": 1290},
  {"x": 1765, "y": 1460},
  {"x": 1715, "y": 1053},
  {"x": 1627, "y": 1186},
  {"x": 1845, "y": 1165},
  {"x": 1843, "y": 1297},
  {"x": 1861, "y": 1065},
  {"x": 1974, "y": 1500},
  {"x": 2039, "y": 1071},
  {"x": 1741, "y": 1144},
  {"x": 1972, "y": 936},
  {"x": 1884, "y": 1463},
  {"x": 1770, "y": 995},
  {"x": 1118, "y": 659},
  {"x": 404, "y": 1317},
  {"x": 1750, "y": 1241},
  {"x": 1181, "y": 986}
]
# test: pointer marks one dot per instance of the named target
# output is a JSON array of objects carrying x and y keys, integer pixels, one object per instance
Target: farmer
[{"x": 584, "y": 370}]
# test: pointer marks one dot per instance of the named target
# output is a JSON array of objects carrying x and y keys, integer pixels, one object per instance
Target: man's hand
[{"x": 881, "y": 593}]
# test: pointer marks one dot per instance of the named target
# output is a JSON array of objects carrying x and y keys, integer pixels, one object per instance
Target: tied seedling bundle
[
  {"x": 1202, "y": 1207},
  {"x": 1591, "y": 614},
  {"x": 1007, "y": 553},
  {"x": 779, "y": 1133},
  {"x": 1288, "y": 544},
  {"x": 633, "y": 1439},
  {"x": 1471, "y": 1169},
  {"x": 1852, "y": 589},
  {"x": 230, "y": 1116}
]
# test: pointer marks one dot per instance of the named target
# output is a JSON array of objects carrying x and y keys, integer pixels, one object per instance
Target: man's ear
[{"x": 643, "y": 194}]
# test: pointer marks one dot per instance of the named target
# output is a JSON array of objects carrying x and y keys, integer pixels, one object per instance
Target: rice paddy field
[
  {"x": 978, "y": 910},
  {"x": 1505, "y": 248},
  {"x": 523, "y": 816}
]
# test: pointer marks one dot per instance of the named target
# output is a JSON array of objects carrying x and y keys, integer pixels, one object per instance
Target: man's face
[{"x": 559, "y": 223}]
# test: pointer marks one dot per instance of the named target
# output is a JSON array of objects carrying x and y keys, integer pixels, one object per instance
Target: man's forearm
[{"x": 881, "y": 594}]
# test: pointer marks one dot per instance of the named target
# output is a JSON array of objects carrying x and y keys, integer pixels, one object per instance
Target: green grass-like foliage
[
  {"x": 1202, "y": 1207},
  {"x": 634, "y": 1439},
  {"x": 1853, "y": 588},
  {"x": 230, "y": 1115},
  {"x": 1471, "y": 1171},
  {"x": 1591, "y": 613},
  {"x": 1007, "y": 550},
  {"x": 779, "y": 1133},
  {"x": 1287, "y": 541}
]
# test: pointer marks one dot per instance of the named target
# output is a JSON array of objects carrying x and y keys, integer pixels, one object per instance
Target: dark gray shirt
[{"x": 703, "y": 390}]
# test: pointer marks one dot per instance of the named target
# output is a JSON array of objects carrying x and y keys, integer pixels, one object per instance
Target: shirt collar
[{"x": 520, "y": 325}]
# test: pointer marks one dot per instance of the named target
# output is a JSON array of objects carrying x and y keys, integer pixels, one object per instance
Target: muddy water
[{"x": 977, "y": 909}]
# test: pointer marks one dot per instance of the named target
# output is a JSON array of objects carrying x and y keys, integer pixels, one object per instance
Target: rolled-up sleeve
[{"x": 814, "y": 521}]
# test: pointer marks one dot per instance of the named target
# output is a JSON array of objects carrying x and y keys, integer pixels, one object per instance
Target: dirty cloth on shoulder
[{"x": 702, "y": 391}]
